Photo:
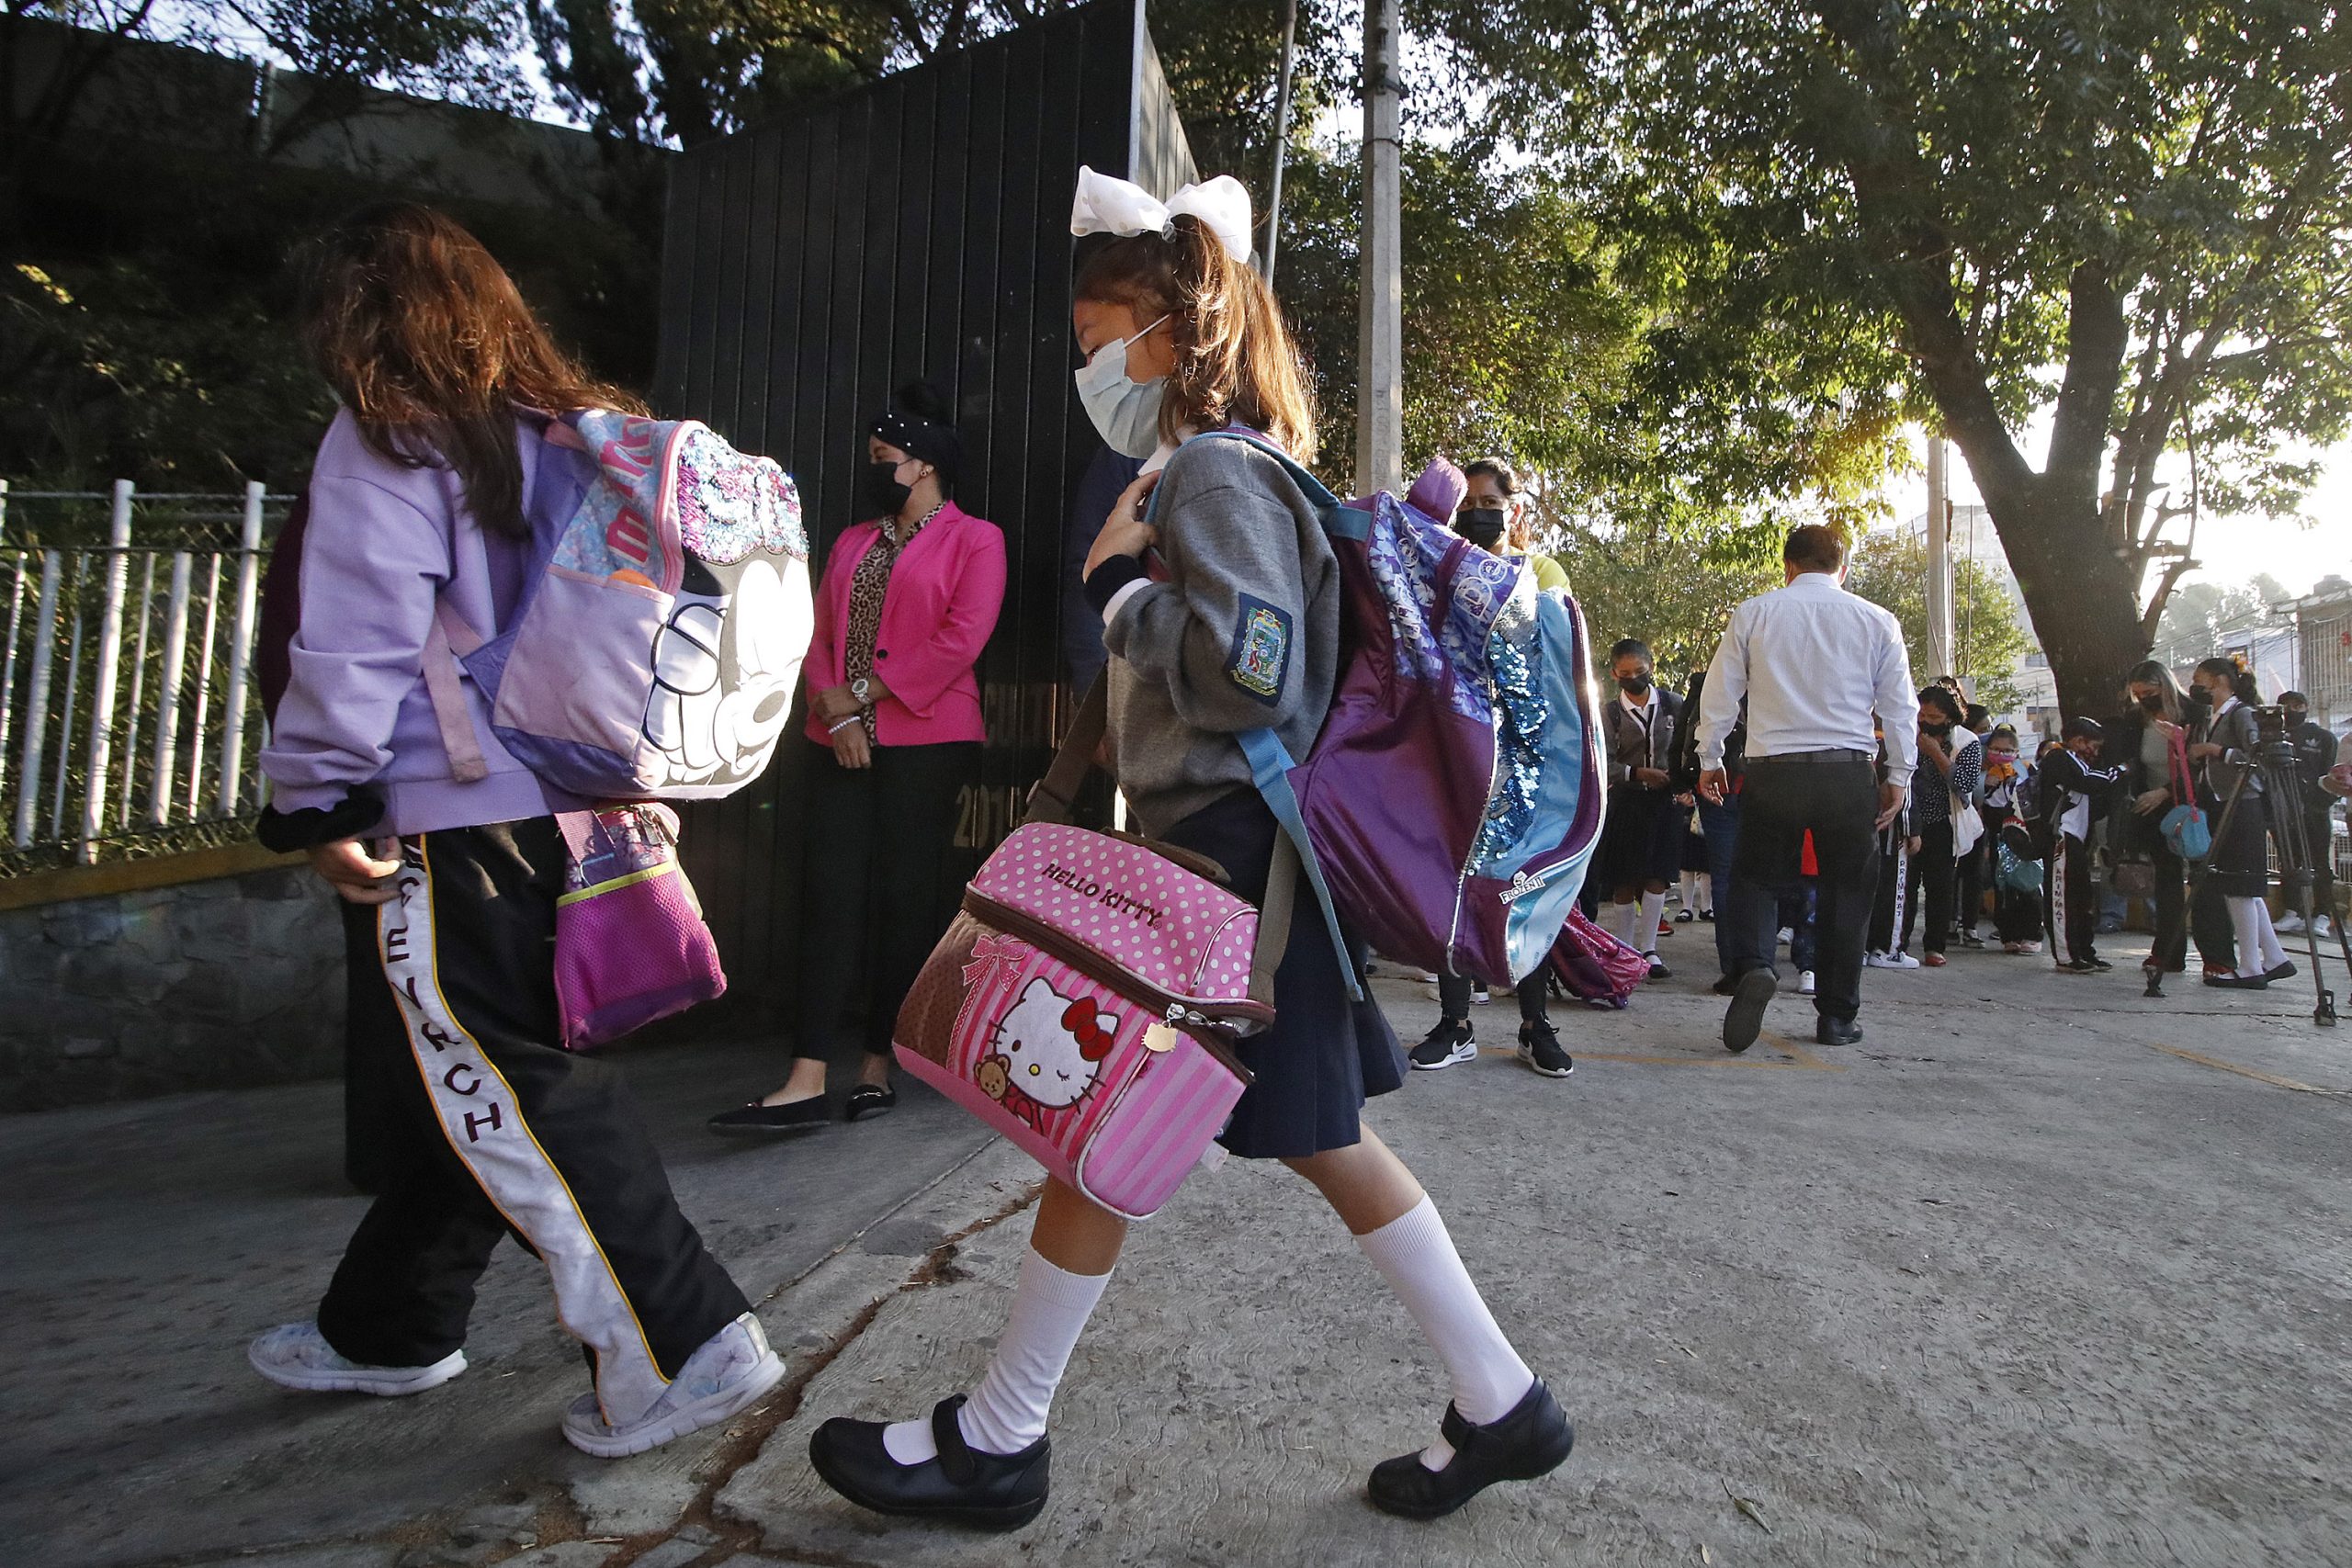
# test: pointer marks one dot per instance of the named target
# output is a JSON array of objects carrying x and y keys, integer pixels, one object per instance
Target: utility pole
[
  {"x": 1380, "y": 337},
  {"x": 1282, "y": 141},
  {"x": 1941, "y": 660}
]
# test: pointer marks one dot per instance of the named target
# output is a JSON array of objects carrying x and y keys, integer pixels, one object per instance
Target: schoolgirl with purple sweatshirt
[{"x": 421, "y": 495}]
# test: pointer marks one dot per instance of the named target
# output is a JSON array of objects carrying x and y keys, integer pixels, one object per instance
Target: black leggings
[{"x": 872, "y": 903}]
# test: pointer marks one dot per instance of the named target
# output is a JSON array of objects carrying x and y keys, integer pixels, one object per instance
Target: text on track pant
[
  {"x": 1834, "y": 795},
  {"x": 491, "y": 1127}
]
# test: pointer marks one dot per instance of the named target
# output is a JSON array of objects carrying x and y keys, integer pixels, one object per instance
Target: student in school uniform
[
  {"x": 1231, "y": 624},
  {"x": 2073, "y": 792},
  {"x": 1641, "y": 841},
  {"x": 421, "y": 497}
]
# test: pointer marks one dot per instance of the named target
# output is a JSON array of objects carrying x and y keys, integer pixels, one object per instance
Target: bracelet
[{"x": 853, "y": 718}]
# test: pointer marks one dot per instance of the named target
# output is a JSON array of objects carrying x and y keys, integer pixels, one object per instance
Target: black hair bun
[{"x": 925, "y": 400}]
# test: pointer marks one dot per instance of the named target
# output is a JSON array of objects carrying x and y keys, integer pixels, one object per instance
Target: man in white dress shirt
[{"x": 1814, "y": 664}]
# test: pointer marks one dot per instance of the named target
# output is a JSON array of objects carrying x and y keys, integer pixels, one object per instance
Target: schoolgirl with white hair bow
[{"x": 1221, "y": 615}]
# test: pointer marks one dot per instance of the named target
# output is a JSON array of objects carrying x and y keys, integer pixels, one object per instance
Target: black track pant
[
  {"x": 2074, "y": 901},
  {"x": 489, "y": 1127},
  {"x": 878, "y": 838}
]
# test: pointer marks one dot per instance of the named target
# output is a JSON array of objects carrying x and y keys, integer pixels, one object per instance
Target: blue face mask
[{"x": 1126, "y": 412}]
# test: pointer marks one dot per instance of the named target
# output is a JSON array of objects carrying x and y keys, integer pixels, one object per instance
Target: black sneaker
[
  {"x": 1539, "y": 1048},
  {"x": 1448, "y": 1044},
  {"x": 1744, "y": 1020}
]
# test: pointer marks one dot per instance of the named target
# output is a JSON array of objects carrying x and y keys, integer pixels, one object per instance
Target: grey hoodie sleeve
[{"x": 1222, "y": 632}]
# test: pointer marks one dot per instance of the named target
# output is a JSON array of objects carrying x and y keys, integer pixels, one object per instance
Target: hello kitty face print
[{"x": 1048, "y": 1048}]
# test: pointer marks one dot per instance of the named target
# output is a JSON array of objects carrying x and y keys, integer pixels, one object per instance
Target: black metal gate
[{"x": 918, "y": 227}]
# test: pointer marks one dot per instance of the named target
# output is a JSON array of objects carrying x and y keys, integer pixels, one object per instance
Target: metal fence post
[
  {"x": 107, "y": 676},
  {"x": 8, "y": 666},
  {"x": 203, "y": 684},
  {"x": 132, "y": 710},
  {"x": 167, "y": 691},
  {"x": 241, "y": 643},
  {"x": 52, "y": 567}
]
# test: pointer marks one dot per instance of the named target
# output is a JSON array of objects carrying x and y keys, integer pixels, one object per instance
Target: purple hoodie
[{"x": 384, "y": 542}]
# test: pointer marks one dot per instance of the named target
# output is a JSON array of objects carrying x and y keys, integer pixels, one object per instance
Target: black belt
[{"x": 1830, "y": 754}]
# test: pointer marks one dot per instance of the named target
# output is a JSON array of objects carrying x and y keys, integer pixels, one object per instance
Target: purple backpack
[
  {"x": 1453, "y": 801},
  {"x": 660, "y": 636}
]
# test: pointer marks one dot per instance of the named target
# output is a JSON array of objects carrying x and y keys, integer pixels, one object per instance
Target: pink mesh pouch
[{"x": 630, "y": 942}]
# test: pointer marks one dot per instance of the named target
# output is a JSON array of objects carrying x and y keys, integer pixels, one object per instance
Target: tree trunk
[{"x": 2085, "y": 602}]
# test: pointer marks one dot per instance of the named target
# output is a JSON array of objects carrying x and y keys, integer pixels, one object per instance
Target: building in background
[{"x": 2323, "y": 641}]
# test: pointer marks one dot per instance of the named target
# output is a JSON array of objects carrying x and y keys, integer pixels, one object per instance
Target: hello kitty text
[{"x": 1109, "y": 897}]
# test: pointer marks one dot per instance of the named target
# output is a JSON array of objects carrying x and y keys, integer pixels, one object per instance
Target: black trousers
[
  {"x": 1454, "y": 998},
  {"x": 1968, "y": 874},
  {"x": 2170, "y": 950},
  {"x": 1835, "y": 795},
  {"x": 2319, "y": 842},
  {"x": 878, "y": 838},
  {"x": 1931, "y": 874},
  {"x": 1891, "y": 903},
  {"x": 2074, "y": 902},
  {"x": 485, "y": 1127}
]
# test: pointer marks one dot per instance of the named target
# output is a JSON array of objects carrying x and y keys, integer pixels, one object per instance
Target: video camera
[{"x": 2270, "y": 733}]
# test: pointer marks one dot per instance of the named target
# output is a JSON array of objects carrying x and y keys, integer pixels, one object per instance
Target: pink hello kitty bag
[{"x": 1082, "y": 1002}]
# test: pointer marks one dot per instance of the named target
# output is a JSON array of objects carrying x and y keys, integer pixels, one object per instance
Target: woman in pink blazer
[{"x": 907, "y": 603}]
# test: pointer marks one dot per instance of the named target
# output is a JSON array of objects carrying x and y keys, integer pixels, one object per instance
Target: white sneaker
[
  {"x": 726, "y": 1372},
  {"x": 2321, "y": 928},
  {"x": 2287, "y": 924},
  {"x": 1482, "y": 996},
  {"x": 1897, "y": 960},
  {"x": 295, "y": 1355},
  {"x": 1786, "y": 936},
  {"x": 1805, "y": 982}
]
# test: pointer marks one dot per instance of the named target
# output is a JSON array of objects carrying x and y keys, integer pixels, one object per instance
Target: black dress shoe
[
  {"x": 1838, "y": 1032},
  {"x": 963, "y": 1486},
  {"x": 1533, "y": 1440},
  {"x": 2239, "y": 982},
  {"x": 1744, "y": 1017},
  {"x": 2285, "y": 971},
  {"x": 757, "y": 1121},
  {"x": 869, "y": 1099}
]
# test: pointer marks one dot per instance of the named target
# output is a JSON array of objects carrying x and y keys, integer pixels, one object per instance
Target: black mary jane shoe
[
  {"x": 2286, "y": 971},
  {"x": 963, "y": 1486},
  {"x": 869, "y": 1099},
  {"x": 757, "y": 1121},
  {"x": 1533, "y": 1440}
]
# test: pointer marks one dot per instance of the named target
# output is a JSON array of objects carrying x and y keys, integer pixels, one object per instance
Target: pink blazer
[{"x": 936, "y": 617}]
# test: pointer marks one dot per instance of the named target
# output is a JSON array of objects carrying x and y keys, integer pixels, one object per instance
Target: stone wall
[{"x": 233, "y": 981}]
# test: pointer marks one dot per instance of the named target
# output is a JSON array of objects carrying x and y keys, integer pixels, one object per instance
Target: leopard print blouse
[{"x": 868, "y": 587}]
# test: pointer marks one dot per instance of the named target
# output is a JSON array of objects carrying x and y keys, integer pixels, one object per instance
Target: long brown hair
[
  {"x": 430, "y": 346},
  {"x": 1235, "y": 358}
]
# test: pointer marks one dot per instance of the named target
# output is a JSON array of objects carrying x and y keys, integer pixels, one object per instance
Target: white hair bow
[{"x": 1107, "y": 204}]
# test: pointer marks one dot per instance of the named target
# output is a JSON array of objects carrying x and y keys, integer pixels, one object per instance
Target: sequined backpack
[
  {"x": 1452, "y": 802},
  {"x": 660, "y": 633}
]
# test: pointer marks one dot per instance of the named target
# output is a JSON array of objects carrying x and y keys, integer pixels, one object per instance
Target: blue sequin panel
[
  {"x": 1407, "y": 552},
  {"x": 1514, "y": 653}
]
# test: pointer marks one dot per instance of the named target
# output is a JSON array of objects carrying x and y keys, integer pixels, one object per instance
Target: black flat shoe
[
  {"x": 869, "y": 1099},
  {"x": 962, "y": 1486},
  {"x": 1838, "y": 1032},
  {"x": 1744, "y": 1017},
  {"x": 2240, "y": 982},
  {"x": 757, "y": 1121},
  {"x": 1533, "y": 1440},
  {"x": 2284, "y": 971}
]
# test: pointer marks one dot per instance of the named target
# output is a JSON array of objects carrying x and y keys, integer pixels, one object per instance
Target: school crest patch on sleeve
[{"x": 1260, "y": 650}]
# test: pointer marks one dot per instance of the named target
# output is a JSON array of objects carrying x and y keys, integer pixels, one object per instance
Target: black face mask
[
  {"x": 2155, "y": 702},
  {"x": 1938, "y": 729},
  {"x": 884, "y": 494},
  {"x": 1482, "y": 525},
  {"x": 2199, "y": 697},
  {"x": 1633, "y": 685}
]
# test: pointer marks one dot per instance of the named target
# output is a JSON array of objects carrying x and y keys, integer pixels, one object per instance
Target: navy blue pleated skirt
[{"x": 1325, "y": 1054}]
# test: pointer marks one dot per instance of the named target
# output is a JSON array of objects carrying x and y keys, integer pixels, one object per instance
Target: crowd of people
[{"x": 1801, "y": 789}]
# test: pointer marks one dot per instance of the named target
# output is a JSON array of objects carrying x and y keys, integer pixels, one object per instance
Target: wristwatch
[{"x": 861, "y": 688}]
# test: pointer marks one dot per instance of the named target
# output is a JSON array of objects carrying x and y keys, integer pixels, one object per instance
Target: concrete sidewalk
[{"x": 2039, "y": 1273}]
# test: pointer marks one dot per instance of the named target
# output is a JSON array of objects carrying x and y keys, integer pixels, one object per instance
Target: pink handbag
[
  {"x": 1082, "y": 1002},
  {"x": 630, "y": 942}
]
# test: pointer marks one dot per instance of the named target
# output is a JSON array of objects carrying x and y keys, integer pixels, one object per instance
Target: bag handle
[
  {"x": 1050, "y": 801},
  {"x": 449, "y": 641}
]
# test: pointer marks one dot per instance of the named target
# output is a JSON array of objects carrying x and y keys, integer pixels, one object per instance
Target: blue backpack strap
[{"x": 1269, "y": 766}]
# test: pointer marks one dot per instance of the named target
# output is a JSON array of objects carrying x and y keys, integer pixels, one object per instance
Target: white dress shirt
[{"x": 1814, "y": 663}]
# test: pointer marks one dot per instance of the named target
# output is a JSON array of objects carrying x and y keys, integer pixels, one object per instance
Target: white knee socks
[
  {"x": 1007, "y": 1412},
  {"x": 2273, "y": 954},
  {"x": 1706, "y": 881},
  {"x": 1653, "y": 905},
  {"x": 2246, "y": 924},
  {"x": 1417, "y": 1256}
]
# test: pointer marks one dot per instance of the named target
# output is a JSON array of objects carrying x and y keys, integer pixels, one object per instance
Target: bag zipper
[{"x": 1172, "y": 1010}]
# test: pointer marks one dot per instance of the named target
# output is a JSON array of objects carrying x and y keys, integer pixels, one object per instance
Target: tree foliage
[
  {"x": 1890, "y": 569},
  {"x": 2133, "y": 211}
]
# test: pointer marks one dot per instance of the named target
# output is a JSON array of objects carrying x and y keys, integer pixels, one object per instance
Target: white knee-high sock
[
  {"x": 1706, "y": 891},
  {"x": 1652, "y": 904},
  {"x": 1623, "y": 919},
  {"x": 2273, "y": 952},
  {"x": 2246, "y": 925},
  {"x": 1416, "y": 1255},
  {"x": 1007, "y": 1412},
  {"x": 1690, "y": 891}
]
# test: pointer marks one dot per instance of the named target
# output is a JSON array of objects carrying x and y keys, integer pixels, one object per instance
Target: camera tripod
[{"x": 2274, "y": 763}]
